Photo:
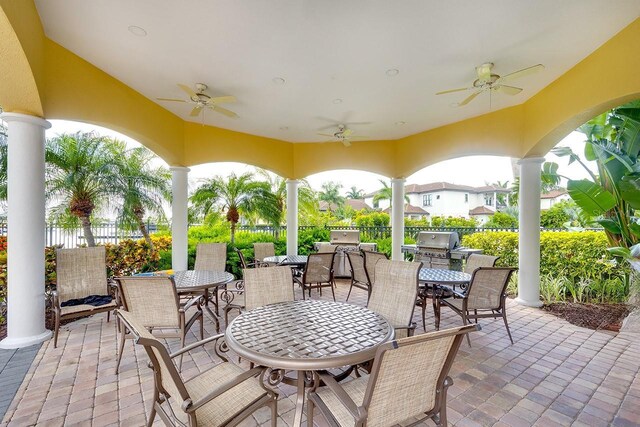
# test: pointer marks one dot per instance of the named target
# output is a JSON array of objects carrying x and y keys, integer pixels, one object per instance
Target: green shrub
[
  {"x": 453, "y": 222},
  {"x": 501, "y": 220},
  {"x": 373, "y": 219},
  {"x": 555, "y": 217}
]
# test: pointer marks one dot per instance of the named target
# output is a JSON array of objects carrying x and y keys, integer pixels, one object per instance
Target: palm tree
[
  {"x": 80, "y": 175},
  {"x": 237, "y": 195},
  {"x": 141, "y": 187},
  {"x": 385, "y": 193},
  {"x": 330, "y": 193},
  {"x": 278, "y": 187},
  {"x": 354, "y": 193}
]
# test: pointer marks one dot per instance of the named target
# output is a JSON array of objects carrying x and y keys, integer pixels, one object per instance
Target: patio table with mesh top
[
  {"x": 436, "y": 276},
  {"x": 297, "y": 261},
  {"x": 306, "y": 336}
]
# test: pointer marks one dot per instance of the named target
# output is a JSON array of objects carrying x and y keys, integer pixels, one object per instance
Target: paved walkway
[
  {"x": 554, "y": 374},
  {"x": 14, "y": 365}
]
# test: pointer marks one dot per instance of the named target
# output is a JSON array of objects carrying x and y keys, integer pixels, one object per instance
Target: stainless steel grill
[
  {"x": 433, "y": 249},
  {"x": 346, "y": 241}
]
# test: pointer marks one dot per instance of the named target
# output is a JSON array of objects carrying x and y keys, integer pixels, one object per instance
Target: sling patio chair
[
  {"x": 327, "y": 248},
  {"x": 359, "y": 277},
  {"x": 409, "y": 379},
  {"x": 155, "y": 304},
  {"x": 370, "y": 260},
  {"x": 485, "y": 297},
  {"x": 263, "y": 250},
  {"x": 223, "y": 395},
  {"x": 476, "y": 261},
  {"x": 394, "y": 294},
  {"x": 261, "y": 286},
  {"x": 318, "y": 273},
  {"x": 82, "y": 287},
  {"x": 244, "y": 264},
  {"x": 212, "y": 257}
]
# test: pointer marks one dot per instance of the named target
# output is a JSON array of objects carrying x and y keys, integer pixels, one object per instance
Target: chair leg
[
  {"x": 108, "y": 316},
  {"x": 120, "y": 347},
  {"x": 475, "y": 313},
  {"x": 274, "y": 412},
  {"x": 333, "y": 292},
  {"x": 423, "y": 305},
  {"x": 310, "y": 408},
  {"x": 201, "y": 325},
  {"x": 182, "y": 342},
  {"x": 465, "y": 322},
  {"x": 152, "y": 413},
  {"x": 506, "y": 325},
  {"x": 436, "y": 312},
  {"x": 56, "y": 330},
  {"x": 349, "y": 294}
]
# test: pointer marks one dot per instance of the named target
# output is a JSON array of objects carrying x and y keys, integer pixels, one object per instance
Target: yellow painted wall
[{"x": 40, "y": 77}]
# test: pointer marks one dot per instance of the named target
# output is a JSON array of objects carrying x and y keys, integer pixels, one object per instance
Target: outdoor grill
[
  {"x": 346, "y": 241},
  {"x": 441, "y": 249}
]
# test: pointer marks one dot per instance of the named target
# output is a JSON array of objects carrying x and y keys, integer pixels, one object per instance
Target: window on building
[
  {"x": 438, "y": 197},
  {"x": 488, "y": 199},
  {"x": 426, "y": 200},
  {"x": 466, "y": 197}
]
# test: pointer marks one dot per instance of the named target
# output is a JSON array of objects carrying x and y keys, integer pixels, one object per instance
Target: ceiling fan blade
[
  {"x": 196, "y": 111},
  {"x": 509, "y": 90},
  {"x": 468, "y": 99},
  {"x": 522, "y": 73},
  {"x": 326, "y": 134},
  {"x": 347, "y": 132},
  {"x": 223, "y": 100},
  {"x": 346, "y": 143},
  {"x": 188, "y": 90},
  {"x": 224, "y": 111},
  {"x": 171, "y": 99},
  {"x": 453, "y": 90},
  {"x": 356, "y": 123},
  {"x": 358, "y": 137}
]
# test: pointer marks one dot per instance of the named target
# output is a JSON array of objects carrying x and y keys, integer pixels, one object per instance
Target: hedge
[{"x": 574, "y": 255}]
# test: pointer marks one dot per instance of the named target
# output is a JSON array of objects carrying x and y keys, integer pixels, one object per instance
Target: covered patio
[{"x": 107, "y": 63}]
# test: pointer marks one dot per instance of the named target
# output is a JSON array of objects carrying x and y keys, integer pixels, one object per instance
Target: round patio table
[
  {"x": 307, "y": 335},
  {"x": 200, "y": 281},
  {"x": 430, "y": 276},
  {"x": 297, "y": 261}
]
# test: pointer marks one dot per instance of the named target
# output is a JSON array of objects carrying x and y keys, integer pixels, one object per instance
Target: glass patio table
[
  {"x": 306, "y": 336},
  {"x": 430, "y": 276}
]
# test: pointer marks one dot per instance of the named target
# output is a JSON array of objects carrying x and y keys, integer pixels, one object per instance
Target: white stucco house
[{"x": 547, "y": 200}]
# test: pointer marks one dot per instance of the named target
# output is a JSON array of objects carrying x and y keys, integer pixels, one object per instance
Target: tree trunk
[
  {"x": 145, "y": 233},
  {"x": 88, "y": 234},
  {"x": 233, "y": 232}
]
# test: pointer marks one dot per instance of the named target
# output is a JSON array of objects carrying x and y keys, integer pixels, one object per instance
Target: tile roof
[
  {"x": 409, "y": 209},
  {"x": 439, "y": 186},
  {"x": 481, "y": 210},
  {"x": 553, "y": 194}
]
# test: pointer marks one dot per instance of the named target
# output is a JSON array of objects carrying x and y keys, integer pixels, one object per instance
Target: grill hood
[
  {"x": 447, "y": 240},
  {"x": 344, "y": 237}
]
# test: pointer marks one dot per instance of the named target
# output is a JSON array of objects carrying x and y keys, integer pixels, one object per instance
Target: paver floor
[{"x": 554, "y": 374}]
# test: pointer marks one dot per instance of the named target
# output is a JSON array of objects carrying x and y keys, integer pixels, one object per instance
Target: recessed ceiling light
[
  {"x": 278, "y": 80},
  {"x": 337, "y": 101},
  {"x": 400, "y": 123},
  {"x": 137, "y": 31},
  {"x": 392, "y": 72},
  {"x": 284, "y": 127}
]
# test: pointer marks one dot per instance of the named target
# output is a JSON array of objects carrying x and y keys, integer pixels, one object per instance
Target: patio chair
[
  {"x": 81, "y": 273},
  {"x": 263, "y": 250},
  {"x": 213, "y": 257},
  {"x": 261, "y": 286},
  {"x": 155, "y": 304},
  {"x": 485, "y": 297},
  {"x": 370, "y": 260},
  {"x": 359, "y": 277},
  {"x": 244, "y": 264},
  {"x": 409, "y": 378},
  {"x": 476, "y": 261},
  {"x": 318, "y": 273},
  {"x": 222, "y": 395},
  {"x": 394, "y": 294}
]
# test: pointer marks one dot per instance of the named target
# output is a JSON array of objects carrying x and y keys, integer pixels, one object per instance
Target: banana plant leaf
[
  {"x": 590, "y": 197},
  {"x": 610, "y": 225},
  {"x": 629, "y": 187},
  {"x": 620, "y": 251},
  {"x": 635, "y": 229}
]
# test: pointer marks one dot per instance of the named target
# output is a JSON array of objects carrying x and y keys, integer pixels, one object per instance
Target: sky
[{"x": 472, "y": 170}]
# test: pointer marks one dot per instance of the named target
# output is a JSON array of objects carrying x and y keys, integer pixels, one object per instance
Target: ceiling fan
[
  {"x": 344, "y": 135},
  {"x": 488, "y": 81},
  {"x": 201, "y": 100}
]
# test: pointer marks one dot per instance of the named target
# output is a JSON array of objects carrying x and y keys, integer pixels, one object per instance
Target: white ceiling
[{"x": 328, "y": 49}]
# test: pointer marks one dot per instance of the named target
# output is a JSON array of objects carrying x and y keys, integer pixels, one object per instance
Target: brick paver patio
[{"x": 554, "y": 374}]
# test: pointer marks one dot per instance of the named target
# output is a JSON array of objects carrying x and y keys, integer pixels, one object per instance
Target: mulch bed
[{"x": 606, "y": 317}]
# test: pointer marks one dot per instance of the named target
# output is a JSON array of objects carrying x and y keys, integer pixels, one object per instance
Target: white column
[
  {"x": 529, "y": 236},
  {"x": 179, "y": 224},
  {"x": 397, "y": 218},
  {"x": 26, "y": 228},
  {"x": 292, "y": 217}
]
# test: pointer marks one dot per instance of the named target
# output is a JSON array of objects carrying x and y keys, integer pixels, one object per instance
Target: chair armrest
[
  {"x": 410, "y": 328},
  {"x": 228, "y": 295},
  {"x": 339, "y": 392},
  {"x": 196, "y": 345},
  {"x": 226, "y": 386},
  {"x": 195, "y": 300}
]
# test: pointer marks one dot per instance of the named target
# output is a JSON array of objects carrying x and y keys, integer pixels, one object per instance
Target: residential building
[
  {"x": 547, "y": 200},
  {"x": 411, "y": 212}
]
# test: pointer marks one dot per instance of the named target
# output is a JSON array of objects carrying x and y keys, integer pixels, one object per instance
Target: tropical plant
[
  {"x": 385, "y": 193},
  {"x": 554, "y": 217},
  {"x": 142, "y": 187},
  {"x": 501, "y": 198},
  {"x": 501, "y": 220},
  {"x": 549, "y": 181},
  {"x": 613, "y": 194},
  {"x": 330, "y": 193},
  {"x": 278, "y": 187},
  {"x": 236, "y": 195},
  {"x": 354, "y": 193},
  {"x": 80, "y": 175}
]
